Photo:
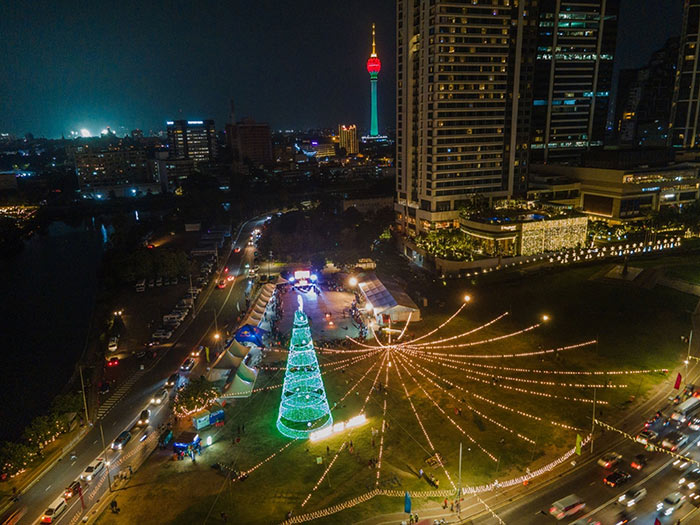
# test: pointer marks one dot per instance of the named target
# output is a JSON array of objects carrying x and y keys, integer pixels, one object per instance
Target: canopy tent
[
  {"x": 249, "y": 333},
  {"x": 387, "y": 301}
]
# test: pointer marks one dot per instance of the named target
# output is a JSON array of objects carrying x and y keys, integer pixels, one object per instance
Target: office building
[
  {"x": 250, "y": 141},
  {"x": 573, "y": 75},
  {"x": 464, "y": 81},
  {"x": 347, "y": 136},
  {"x": 686, "y": 97},
  {"x": 192, "y": 139},
  {"x": 644, "y": 96}
]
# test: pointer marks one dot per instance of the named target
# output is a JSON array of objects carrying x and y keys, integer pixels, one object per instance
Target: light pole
[
  {"x": 109, "y": 478},
  {"x": 459, "y": 482},
  {"x": 194, "y": 310},
  {"x": 82, "y": 389},
  {"x": 593, "y": 419}
]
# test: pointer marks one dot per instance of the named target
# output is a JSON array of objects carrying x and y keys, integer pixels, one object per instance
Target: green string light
[{"x": 304, "y": 406}]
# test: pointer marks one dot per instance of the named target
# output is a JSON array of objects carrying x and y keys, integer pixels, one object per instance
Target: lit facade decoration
[
  {"x": 304, "y": 407},
  {"x": 522, "y": 231}
]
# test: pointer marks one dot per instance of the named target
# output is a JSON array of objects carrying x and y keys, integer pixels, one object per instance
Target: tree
[{"x": 198, "y": 394}]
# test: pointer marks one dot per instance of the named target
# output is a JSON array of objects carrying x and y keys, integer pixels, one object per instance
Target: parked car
[
  {"x": 122, "y": 440},
  {"x": 187, "y": 364},
  {"x": 632, "y": 496},
  {"x": 93, "y": 469},
  {"x": 104, "y": 387},
  {"x": 609, "y": 460},
  {"x": 159, "y": 397}
]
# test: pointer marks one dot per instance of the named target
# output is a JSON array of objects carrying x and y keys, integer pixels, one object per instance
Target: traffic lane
[
  {"x": 586, "y": 482},
  {"x": 42, "y": 494},
  {"x": 97, "y": 488}
]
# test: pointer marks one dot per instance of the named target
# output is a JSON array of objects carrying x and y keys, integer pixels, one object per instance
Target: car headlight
[
  {"x": 659, "y": 506},
  {"x": 621, "y": 498},
  {"x": 691, "y": 485},
  {"x": 668, "y": 512},
  {"x": 630, "y": 503},
  {"x": 681, "y": 481},
  {"x": 153, "y": 400}
]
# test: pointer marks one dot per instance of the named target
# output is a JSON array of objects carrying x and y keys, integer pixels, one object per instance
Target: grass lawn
[{"x": 636, "y": 329}]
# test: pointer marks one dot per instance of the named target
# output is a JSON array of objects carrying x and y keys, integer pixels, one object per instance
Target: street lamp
[
  {"x": 353, "y": 281},
  {"x": 545, "y": 318},
  {"x": 467, "y": 298}
]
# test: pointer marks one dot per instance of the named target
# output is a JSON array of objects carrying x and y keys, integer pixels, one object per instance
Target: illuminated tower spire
[{"x": 373, "y": 68}]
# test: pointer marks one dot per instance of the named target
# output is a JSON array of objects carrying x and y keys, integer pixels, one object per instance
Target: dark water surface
[{"x": 47, "y": 295}]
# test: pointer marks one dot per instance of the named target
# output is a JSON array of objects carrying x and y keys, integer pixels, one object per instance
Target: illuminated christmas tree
[{"x": 304, "y": 406}]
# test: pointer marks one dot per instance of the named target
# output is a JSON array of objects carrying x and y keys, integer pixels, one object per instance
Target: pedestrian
[
  {"x": 452, "y": 507},
  {"x": 224, "y": 517},
  {"x": 328, "y": 449},
  {"x": 444, "y": 504},
  {"x": 420, "y": 473},
  {"x": 131, "y": 472},
  {"x": 416, "y": 517},
  {"x": 410, "y": 519}
]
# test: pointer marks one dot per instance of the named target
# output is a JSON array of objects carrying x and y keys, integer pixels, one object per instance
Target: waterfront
[{"x": 48, "y": 295}]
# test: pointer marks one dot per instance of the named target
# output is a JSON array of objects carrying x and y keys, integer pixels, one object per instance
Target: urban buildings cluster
[{"x": 500, "y": 100}]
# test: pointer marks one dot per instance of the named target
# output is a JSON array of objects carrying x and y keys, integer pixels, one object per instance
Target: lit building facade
[
  {"x": 573, "y": 77},
  {"x": 119, "y": 170},
  {"x": 464, "y": 92},
  {"x": 523, "y": 231},
  {"x": 347, "y": 136},
  {"x": 686, "y": 98},
  {"x": 192, "y": 139}
]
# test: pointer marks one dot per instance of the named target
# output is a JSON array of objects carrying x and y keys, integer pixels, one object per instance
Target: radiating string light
[
  {"x": 521, "y": 390},
  {"x": 420, "y": 423},
  {"x": 383, "y": 429},
  {"x": 566, "y": 372},
  {"x": 356, "y": 383},
  {"x": 268, "y": 458},
  {"x": 464, "y": 334},
  {"x": 502, "y": 406},
  {"x": 405, "y": 362},
  {"x": 374, "y": 383},
  {"x": 410, "y": 314},
  {"x": 464, "y": 432},
  {"x": 532, "y": 381},
  {"x": 505, "y": 356},
  {"x": 483, "y": 341}
]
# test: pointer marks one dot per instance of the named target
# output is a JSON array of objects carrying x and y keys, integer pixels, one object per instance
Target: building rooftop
[{"x": 519, "y": 213}]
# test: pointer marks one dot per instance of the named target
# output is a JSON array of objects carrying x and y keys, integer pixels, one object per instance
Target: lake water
[{"x": 47, "y": 294}]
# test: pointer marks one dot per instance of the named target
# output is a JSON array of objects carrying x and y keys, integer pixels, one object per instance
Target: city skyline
[{"x": 192, "y": 79}]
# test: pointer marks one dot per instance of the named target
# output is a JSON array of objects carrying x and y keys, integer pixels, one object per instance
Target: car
[
  {"x": 104, "y": 387},
  {"x": 646, "y": 436},
  {"x": 639, "y": 462},
  {"x": 159, "y": 397},
  {"x": 674, "y": 440},
  {"x": 72, "y": 490},
  {"x": 616, "y": 478},
  {"x": 609, "y": 460},
  {"x": 632, "y": 496},
  {"x": 690, "y": 479},
  {"x": 653, "y": 419},
  {"x": 670, "y": 503},
  {"x": 122, "y": 440},
  {"x": 567, "y": 506},
  {"x": 694, "y": 423},
  {"x": 145, "y": 417},
  {"x": 681, "y": 464},
  {"x": 187, "y": 364},
  {"x": 196, "y": 352},
  {"x": 173, "y": 380},
  {"x": 221, "y": 284},
  {"x": 162, "y": 334},
  {"x": 56, "y": 508},
  {"x": 159, "y": 281},
  {"x": 237, "y": 249},
  {"x": 93, "y": 469},
  {"x": 113, "y": 344},
  {"x": 113, "y": 361}
]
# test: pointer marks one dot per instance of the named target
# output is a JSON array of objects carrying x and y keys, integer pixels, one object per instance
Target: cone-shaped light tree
[{"x": 304, "y": 406}]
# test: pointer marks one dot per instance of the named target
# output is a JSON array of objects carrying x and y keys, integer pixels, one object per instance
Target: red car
[
  {"x": 113, "y": 361},
  {"x": 237, "y": 249},
  {"x": 221, "y": 284}
]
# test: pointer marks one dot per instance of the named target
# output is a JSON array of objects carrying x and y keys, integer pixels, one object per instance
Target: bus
[{"x": 686, "y": 409}]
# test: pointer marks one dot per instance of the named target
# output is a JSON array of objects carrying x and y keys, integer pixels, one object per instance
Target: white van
[
  {"x": 567, "y": 506},
  {"x": 56, "y": 508},
  {"x": 686, "y": 409}
]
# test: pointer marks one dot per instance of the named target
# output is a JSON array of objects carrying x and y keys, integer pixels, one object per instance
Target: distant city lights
[{"x": 85, "y": 133}]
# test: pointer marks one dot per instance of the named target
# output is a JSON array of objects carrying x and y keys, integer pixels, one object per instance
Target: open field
[{"x": 636, "y": 329}]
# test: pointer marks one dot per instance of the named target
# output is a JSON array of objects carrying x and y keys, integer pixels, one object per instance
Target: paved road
[
  {"x": 659, "y": 477},
  {"x": 123, "y": 414}
]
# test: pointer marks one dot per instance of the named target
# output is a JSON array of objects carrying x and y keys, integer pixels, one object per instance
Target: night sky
[{"x": 68, "y": 65}]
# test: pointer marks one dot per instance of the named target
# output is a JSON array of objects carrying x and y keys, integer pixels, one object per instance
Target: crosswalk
[{"x": 118, "y": 394}]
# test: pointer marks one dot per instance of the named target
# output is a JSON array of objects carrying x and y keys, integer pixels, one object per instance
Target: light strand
[
  {"x": 464, "y": 334},
  {"x": 505, "y": 356},
  {"x": 323, "y": 476},
  {"x": 484, "y": 341}
]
